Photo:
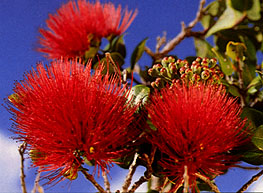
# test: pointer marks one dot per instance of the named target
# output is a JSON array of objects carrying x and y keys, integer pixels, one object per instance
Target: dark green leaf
[
  {"x": 255, "y": 116},
  {"x": 251, "y": 50},
  {"x": 258, "y": 138},
  {"x": 242, "y": 5},
  {"x": 119, "y": 46},
  {"x": 233, "y": 90},
  {"x": 137, "y": 53},
  {"x": 254, "y": 157}
]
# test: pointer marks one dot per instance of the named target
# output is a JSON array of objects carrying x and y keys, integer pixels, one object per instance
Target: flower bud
[
  {"x": 198, "y": 59},
  {"x": 165, "y": 61},
  {"x": 150, "y": 71},
  {"x": 182, "y": 70},
  {"x": 205, "y": 75},
  {"x": 196, "y": 77},
  {"x": 171, "y": 59},
  {"x": 163, "y": 72}
]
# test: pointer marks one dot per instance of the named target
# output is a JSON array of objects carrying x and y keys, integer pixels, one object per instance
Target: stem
[
  {"x": 147, "y": 173},
  {"x": 132, "y": 170},
  {"x": 253, "y": 179},
  {"x": 186, "y": 180},
  {"x": 21, "y": 150},
  {"x": 185, "y": 32},
  {"x": 36, "y": 184},
  {"x": 93, "y": 181},
  {"x": 208, "y": 182},
  {"x": 106, "y": 182}
]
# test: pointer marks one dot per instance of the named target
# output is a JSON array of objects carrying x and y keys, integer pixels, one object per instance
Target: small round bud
[
  {"x": 150, "y": 71},
  {"x": 165, "y": 61},
  {"x": 198, "y": 59},
  {"x": 183, "y": 76},
  {"x": 171, "y": 59},
  {"x": 157, "y": 66},
  {"x": 163, "y": 72},
  {"x": 178, "y": 61},
  {"x": 205, "y": 75},
  {"x": 182, "y": 70},
  {"x": 204, "y": 63},
  {"x": 196, "y": 77}
]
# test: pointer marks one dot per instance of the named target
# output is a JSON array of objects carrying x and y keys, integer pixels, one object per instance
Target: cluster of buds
[{"x": 181, "y": 71}]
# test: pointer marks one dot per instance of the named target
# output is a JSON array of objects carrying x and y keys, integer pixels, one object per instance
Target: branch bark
[
  {"x": 208, "y": 182},
  {"x": 21, "y": 150},
  {"x": 185, "y": 32},
  {"x": 132, "y": 170},
  {"x": 93, "y": 181},
  {"x": 252, "y": 180},
  {"x": 147, "y": 173},
  {"x": 106, "y": 182}
]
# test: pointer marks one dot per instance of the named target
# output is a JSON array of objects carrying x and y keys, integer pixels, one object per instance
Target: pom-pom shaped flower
[
  {"x": 68, "y": 115},
  {"x": 197, "y": 127},
  {"x": 78, "y": 25}
]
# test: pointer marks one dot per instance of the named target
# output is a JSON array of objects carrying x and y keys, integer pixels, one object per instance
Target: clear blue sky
[{"x": 19, "y": 23}]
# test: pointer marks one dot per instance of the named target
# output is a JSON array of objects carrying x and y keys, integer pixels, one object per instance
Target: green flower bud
[{"x": 171, "y": 59}]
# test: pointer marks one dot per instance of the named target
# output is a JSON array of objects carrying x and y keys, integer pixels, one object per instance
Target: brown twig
[
  {"x": 132, "y": 170},
  {"x": 185, "y": 32},
  {"x": 208, "y": 182},
  {"x": 93, "y": 181},
  {"x": 253, "y": 179},
  {"x": 160, "y": 42},
  {"x": 186, "y": 180},
  {"x": 147, "y": 173},
  {"x": 106, "y": 182},
  {"x": 22, "y": 149},
  {"x": 36, "y": 184}
]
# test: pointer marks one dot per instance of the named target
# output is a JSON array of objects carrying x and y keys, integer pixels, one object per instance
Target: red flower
[
  {"x": 197, "y": 127},
  {"x": 76, "y": 25},
  {"x": 68, "y": 115}
]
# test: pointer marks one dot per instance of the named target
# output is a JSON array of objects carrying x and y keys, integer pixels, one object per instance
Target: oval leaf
[
  {"x": 137, "y": 53},
  {"x": 258, "y": 137}
]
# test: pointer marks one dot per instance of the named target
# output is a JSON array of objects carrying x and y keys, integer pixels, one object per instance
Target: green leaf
[
  {"x": 212, "y": 10},
  {"x": 254, "y": 157},
  {"x": 227, "y": 20},
  {"x": 241, "y": 5},
  {"x": 251, "y": 50},
  {"x": 255, "y": 82},
  {"x": 225, "y": 63},
  {"x": 254, "y": 12},
  {"x": 140, "y": 94},
  {"x": 119, "y": 46},
  {"x": 137, "y": 53},
  {"x": 233, "y": 90},
  {"x": 203, "y": 48},
  {"x": 258, "y": 137},
  {"x": 255, "y": 116}
]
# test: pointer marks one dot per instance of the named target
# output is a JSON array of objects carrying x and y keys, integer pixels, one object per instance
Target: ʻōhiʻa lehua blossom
[
  {"x": 68, "y": 115},
  {"x": 197, "y": 127},
  {"x": 76, "y": 26}
]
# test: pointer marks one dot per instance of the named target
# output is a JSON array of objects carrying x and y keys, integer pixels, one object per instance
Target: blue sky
[{"x": 19, "y": 24}]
